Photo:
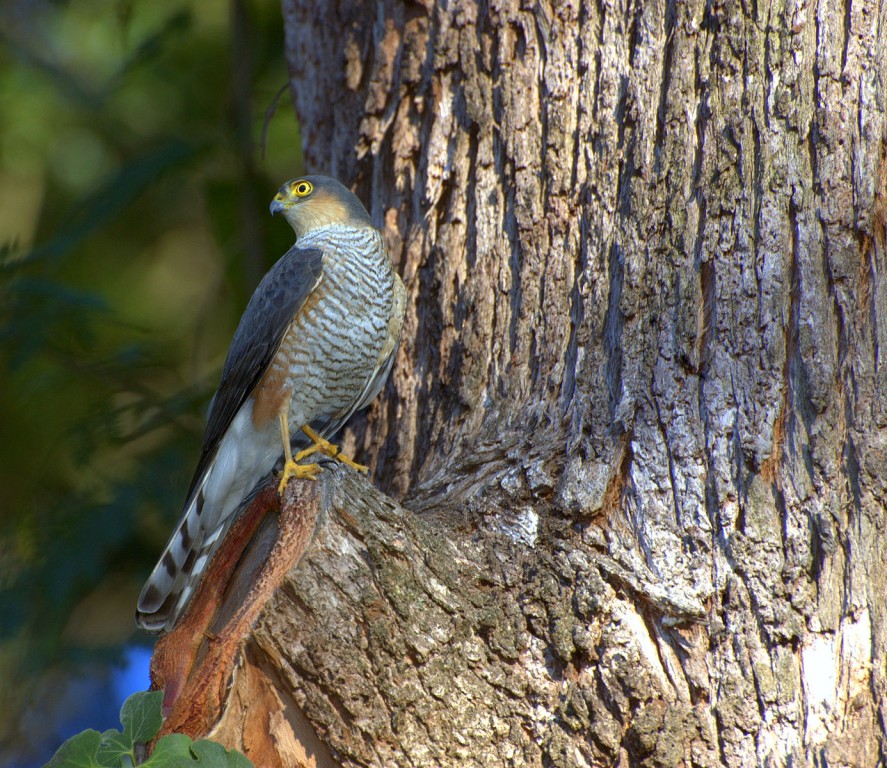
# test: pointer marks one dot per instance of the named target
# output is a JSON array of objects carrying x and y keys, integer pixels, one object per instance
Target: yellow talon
[
  {"x": 292, "y": 468},
  {"x": 327, "y": 449},
  {"x": 297, "y": 471}
]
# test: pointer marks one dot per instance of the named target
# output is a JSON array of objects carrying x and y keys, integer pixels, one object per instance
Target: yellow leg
[
  {"x": 291, "y": 468},
  {"x": 327, "y": 449}
]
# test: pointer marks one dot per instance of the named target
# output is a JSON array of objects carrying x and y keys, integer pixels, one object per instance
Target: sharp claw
[
  {"x": 298, "y": 471},
  {"x": 327, "y": 449},
  {"x": 353, "y": 464}
]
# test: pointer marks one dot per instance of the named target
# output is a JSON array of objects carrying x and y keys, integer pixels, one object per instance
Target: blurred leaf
[
  {"x": 40, "y": 311},
  {"x": 78, "y": 548},
  {"x": 177, "y": 23},
  {"x": 122, "y": 274},
  {"x": 66, "y": 83},
  {"x": 39, "y": 53},
  {"x": 130, "y": 181}
]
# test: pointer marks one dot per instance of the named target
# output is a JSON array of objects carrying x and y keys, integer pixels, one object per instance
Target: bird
[{"x": 316, "y": 343}]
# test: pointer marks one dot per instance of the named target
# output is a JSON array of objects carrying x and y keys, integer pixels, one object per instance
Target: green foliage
[
  {"x": 141, "y": 719},
  {"x": 128, "y": 168}
]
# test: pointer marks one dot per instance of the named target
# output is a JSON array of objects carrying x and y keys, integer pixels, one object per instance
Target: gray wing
[{"x": 277, "y": 299}]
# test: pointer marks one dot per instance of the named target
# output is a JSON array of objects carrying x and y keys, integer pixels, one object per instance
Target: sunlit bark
[{"x": 636, "y": 431}]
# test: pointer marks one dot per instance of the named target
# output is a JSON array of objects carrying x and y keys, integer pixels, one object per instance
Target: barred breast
[{"x": 332, "y": 348}]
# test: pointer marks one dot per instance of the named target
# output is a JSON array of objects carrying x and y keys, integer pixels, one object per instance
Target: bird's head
[{"x": 311, "y": 202}]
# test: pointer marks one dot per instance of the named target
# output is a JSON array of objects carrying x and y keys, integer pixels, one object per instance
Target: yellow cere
[{"x": 302, "y": 188}]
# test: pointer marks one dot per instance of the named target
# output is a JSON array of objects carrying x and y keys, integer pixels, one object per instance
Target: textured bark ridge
[{"x": 637, "y": 427}]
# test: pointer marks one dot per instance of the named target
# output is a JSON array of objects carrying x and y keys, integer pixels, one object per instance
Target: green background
[{"x": 139, "y": 150}]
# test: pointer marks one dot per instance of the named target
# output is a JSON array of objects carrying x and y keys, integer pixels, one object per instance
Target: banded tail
[
  {"x": 178, "y": 571},
  {"x": 230, "y": 479}
]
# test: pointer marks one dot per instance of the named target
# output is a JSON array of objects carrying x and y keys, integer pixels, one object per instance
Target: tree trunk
[{"x": 635, "y": 428}]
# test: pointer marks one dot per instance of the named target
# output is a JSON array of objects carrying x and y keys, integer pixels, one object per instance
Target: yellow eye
[{"x": 302, "y": 188}]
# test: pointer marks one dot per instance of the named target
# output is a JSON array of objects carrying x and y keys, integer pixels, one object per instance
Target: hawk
[{"x": 315, "y": 344}]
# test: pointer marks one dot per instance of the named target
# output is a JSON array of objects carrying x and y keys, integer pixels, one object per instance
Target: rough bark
[{"x": 635, "y": 428}]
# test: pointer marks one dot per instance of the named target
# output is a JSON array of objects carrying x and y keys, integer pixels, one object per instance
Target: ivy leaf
[
  {"x": 114, "y": 746},
  {"x": 172, "y": 751},
  {"x": 79, "y": 751},
  {"x": 177, "y": 751},
  {"x": 141, "y": 716},
  {"x": 210, "y": 754}
]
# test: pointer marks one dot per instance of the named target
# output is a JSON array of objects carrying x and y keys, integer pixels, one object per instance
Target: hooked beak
[{"x": 277, "y": 205}]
